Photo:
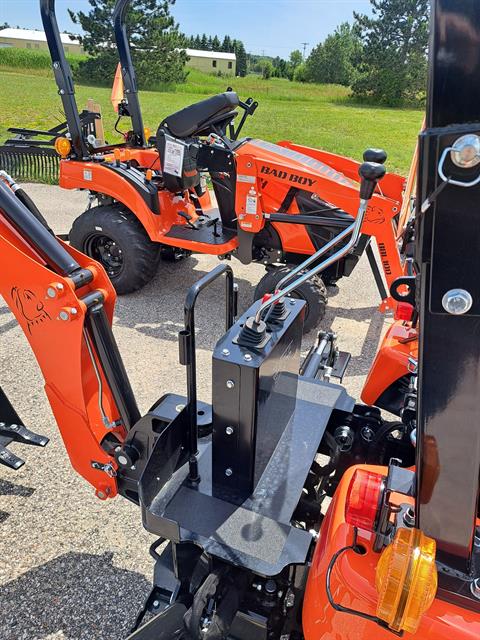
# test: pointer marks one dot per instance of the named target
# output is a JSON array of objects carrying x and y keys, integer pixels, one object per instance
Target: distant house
[
  {"x": 212, "y": 61},
  {"x": 36, "y": 40}
]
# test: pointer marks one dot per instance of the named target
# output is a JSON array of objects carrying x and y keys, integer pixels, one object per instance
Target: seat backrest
[{"x": 197, "y": 118}]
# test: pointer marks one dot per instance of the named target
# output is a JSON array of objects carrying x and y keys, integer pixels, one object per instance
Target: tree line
[{"x": 382, "y": 57}]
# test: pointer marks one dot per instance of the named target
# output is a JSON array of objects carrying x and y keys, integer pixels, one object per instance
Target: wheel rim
[{"x": 106, "y": 251}]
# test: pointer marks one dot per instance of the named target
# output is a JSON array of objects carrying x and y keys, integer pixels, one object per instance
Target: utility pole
[{"x": 305, "y": 45}]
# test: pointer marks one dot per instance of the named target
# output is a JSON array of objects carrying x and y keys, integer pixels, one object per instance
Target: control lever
[
  {"x": 375, "y": 155},
  {"x": 370, "y": 174}
]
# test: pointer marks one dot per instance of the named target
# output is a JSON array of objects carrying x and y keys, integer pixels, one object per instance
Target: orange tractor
[{"x": 276, "y": 204}]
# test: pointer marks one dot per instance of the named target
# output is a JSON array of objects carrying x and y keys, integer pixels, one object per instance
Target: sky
[{"x": 273, "y": 27}]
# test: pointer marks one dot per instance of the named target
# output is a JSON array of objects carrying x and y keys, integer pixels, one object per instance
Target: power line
[{"x": 305, "y": 45}]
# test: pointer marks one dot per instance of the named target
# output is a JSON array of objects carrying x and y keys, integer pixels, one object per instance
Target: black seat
[{"x": 197, "y": 118}]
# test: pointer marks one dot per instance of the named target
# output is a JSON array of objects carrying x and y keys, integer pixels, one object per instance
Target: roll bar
[
  {"x": 63, "y": 77},
  {"x": 128, "y": 70}
]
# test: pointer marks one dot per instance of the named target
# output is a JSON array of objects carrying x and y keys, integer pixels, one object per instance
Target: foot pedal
[{"x": 20, "y": 433}]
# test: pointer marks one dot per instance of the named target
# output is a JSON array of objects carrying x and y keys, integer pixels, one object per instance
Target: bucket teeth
[
  {"x": 20, "y": 433},
  {"x": 17, "y": 433},
  {"x": 9, "y": 459}
]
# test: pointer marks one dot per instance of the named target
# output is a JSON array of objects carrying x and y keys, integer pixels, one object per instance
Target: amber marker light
[
  {"x": 406, "y": 580},
  {"x": 63, "y": 146}
]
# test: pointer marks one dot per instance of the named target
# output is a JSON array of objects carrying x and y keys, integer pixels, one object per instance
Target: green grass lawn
[{"x": 316, "y": 115}]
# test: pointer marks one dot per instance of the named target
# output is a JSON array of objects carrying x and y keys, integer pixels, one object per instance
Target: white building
[
  {"x": 212, "y": 61},
  {"x": 36, "y": 40}
]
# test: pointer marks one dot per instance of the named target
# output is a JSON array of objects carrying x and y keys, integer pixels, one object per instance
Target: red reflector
[
  {"x": 363, "y": 499},
  {"x": 404, "y": 311},
  {"x": 266, "y": 297}
]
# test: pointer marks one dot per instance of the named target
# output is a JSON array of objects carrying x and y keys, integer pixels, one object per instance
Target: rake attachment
[{"x": 30, "y": 163}]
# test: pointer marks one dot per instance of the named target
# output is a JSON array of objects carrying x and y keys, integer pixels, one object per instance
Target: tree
[
  {"x": 332, "y": 62},
  {"x": 282, "y": 67},
  {"x": 267, "y": 70},
  {"x": 227, "y": 45},
  {"x": 5, "y": 25},
  {"x": 300, "y": 73},
  {"x": 296, "y": 58},
  {"x": 155, "y": 40},
  {"x": 392, "y": 67},
  {"x": 239, "y": 50},
  {"x": 216, "y": 45},
  {"x": 197, "y": 44},
  {"x": 204, "y": 42}
]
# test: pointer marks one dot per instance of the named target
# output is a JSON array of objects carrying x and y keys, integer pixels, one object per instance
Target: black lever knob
[
  {"x": 375, "y": 155},
  {"x": 370, "y": 173}
]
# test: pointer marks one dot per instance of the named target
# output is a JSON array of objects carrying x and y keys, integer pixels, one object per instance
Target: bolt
[
  {"x": 73, "y": 311},
  {"x": 101, "y": 494},
  {"x": 476, "y": 541},
  {"x": 230, "y": 384},
  {"x": 225, "y": 352},
  {"x": 409, "y": 517},
  {"x": 229, "y": 431},
  {"x": 122, "y": 460},
  {"x": 228, "y": 472},
  {"x": 155, "y": 604},
  {"x": 457, "y": 301},
  {"x": 344, "y": 438},
  {"x": 51, "y": 293},
  {"x": 179, "y": 408},
  {"x": 64, "y": 315},
  {"x": 367, "y": 434},
  {"x": 475, "y": 588},
  {"x": 55, "y": 65},
  {"x": 247, "y": 357},
  {"x": 270, "y": 586}
]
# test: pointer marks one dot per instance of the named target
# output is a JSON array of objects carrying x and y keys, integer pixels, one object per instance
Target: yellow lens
[
  {"x": 406, "y": 580},
  {"x": 63, "y": 147},
  {"x": 147, "y": 133}
]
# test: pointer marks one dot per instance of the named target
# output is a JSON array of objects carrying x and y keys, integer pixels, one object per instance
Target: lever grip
[
  {"x": 375, "y": 155},
  {"x": 370, "y": 173}
]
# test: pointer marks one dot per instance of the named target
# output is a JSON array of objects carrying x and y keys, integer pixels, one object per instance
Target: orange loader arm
[{"x": 64, "y": 302}]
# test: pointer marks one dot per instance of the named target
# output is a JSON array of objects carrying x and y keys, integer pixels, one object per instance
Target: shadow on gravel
[
  {"x": 8, "y": 488},
  {"x": 77, "y": 596},
  {"x": 157, "y": 309}
]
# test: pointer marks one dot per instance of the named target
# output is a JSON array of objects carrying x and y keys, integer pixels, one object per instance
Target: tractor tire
[
  {"x": 313, "y": 292},
  {"x": 114, "y": 237}
]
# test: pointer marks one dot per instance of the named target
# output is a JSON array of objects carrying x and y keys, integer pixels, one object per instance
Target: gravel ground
[{"x": 72, "y": 567}]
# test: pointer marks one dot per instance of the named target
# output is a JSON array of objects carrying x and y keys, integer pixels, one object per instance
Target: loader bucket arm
[
  {"x": 63, "y": 76},
  {"x": 128, "y": 70},
  {"x": 63, "y": 301}
]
